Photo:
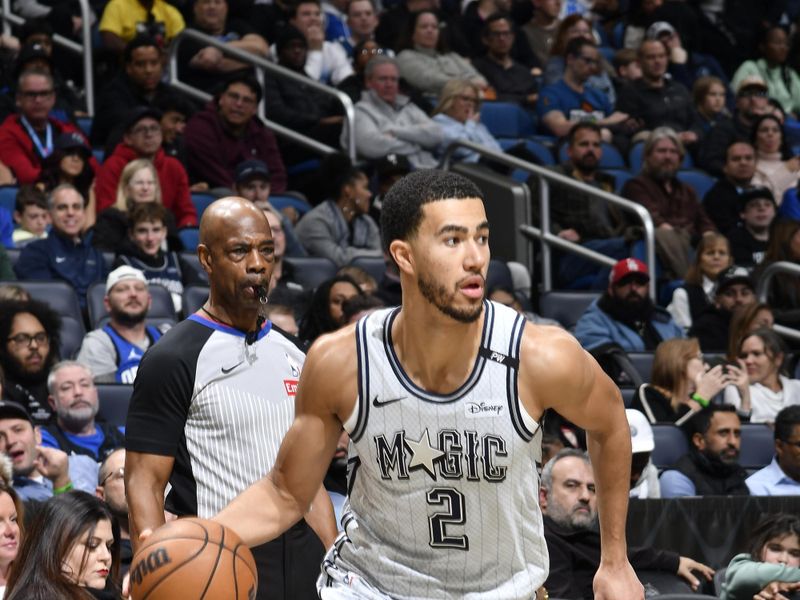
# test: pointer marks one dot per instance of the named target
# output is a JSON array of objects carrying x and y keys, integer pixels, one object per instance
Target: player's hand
[
  {"x": 126, "y": 585},
  {"x": 617, "y": 583},
  {"x": 687, "y": 565},
  {"x": 53, "y": 464},
  {"x": 774, "y": 589}
]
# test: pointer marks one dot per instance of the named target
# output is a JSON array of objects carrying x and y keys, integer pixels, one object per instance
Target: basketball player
[
  {"x": 213, "y": 399},
  {"x": 442, "y": 400}
]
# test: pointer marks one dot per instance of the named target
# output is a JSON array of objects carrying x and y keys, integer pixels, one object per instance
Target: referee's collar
[{"x": 212, "y": 324}]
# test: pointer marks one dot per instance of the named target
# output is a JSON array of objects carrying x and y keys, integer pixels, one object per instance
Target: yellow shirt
[{"x": 121, "y": 16}]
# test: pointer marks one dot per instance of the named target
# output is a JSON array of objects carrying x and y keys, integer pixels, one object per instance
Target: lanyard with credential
[{"x": 47, "y": 150}]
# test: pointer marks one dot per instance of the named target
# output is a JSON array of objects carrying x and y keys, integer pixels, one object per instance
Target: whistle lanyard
[{"x": 47, "y": 149}]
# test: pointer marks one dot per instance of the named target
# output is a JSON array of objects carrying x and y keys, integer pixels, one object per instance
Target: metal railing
[
  {"x": 762, "y": 291},
  {"x": 543, "y": 233},
  {"x": 84, "y": 49},
  {"x": 263, "y": 65}
]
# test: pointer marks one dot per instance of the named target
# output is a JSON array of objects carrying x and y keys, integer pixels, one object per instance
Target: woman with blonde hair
[
  {"x": 138, "y": 183},
  {"x": 458, "y": 114},
  {"x": 681, "y": 384}
]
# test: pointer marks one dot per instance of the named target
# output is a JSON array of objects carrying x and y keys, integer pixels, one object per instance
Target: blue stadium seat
[
  {"x": 194, "y": 297},
  {"x": 611, "y": 158},
  {"x": 565, "y": 307},
  {"x": 310, "y": 271},
  {"x": 114, "y": 401},
  {"x": 506, "y": 119},
  {"x": 374, "y": 266},
  {"x": 758, "y": 445},
  {"x": 620, "y": 176},
  {"x": 307, "y": 166},
  {"x": 282, "y": 201},
  {"x": 201, "y": 202},
  {"x": 699, "y": 180},
  {"x": 618, "y": 34},
  {"x": 671, "y": 444},
  {"x": 71, "y": 337},
  {"x": 85, "y": 123},
  {"x": 108, "y": 259},
  {"x": 636, "y": 156},
  {"x": 8, "y": 197},
  {"x": 499, "y": 275},
  {"x": 191, "y": 260},
  {"x": 643, "y": 361},
  {"x": 13, "y": 255},
  {"x": 190, "y": 237},
  {"x": 542, "y": 153},
  {"x": 99, "y": 155},
  {"x": 59, "y": 295},
  {"x": 162, "y": 306},
  {"x": 628, "y": 394}
]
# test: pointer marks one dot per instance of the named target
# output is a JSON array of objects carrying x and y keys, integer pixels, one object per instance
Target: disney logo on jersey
[
  {"x": 293, "y": 365},
  {"x": 482, "y": 409},
  {"x": 456, "y": 455}
]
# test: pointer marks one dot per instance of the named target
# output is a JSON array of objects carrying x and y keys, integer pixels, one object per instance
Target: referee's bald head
[{"x": 226, "y": 215}]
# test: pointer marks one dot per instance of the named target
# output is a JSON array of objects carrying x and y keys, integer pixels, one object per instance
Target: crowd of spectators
[{"x": 106, "y": 205}]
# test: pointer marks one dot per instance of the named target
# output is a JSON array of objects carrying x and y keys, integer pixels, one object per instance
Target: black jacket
[
  {"x": 711, "y": 328},
  {"x": 712, "y": 477},
  {"x": 722, "y": 205}
]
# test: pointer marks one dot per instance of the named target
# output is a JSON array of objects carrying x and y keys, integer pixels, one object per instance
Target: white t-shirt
[{"x": 765, "y": 403}]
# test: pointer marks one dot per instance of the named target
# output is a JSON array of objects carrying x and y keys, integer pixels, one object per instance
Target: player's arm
[
  {"x": 326, "y": 389},
  {"x": 146, "y": 477},
  {"x": 557, "y": 373},
  {"x": 322, "y": 519}
]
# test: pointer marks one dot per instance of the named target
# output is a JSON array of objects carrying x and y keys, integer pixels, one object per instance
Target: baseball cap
[
  {"x": 757, "y": 193},
  {"x": 122, "y": 273},
  {"x": 139, "y": 113},
  {"x": 72, "y": 141},
  {"x": 731, "y": 275},
  {"x": 658, "y": 29},
  {"x": 13, "y": 410},
  {"x": 751, "y": 81},
  {"x": 251, "y": 168},
  {"x": 628, "y": 266},
  {"x": 642, "y": 439}
]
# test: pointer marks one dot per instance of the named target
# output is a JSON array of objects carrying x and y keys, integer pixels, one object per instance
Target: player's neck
[
  {"x": 436, "y": 351},
  {"x": 241, "y": 318}
]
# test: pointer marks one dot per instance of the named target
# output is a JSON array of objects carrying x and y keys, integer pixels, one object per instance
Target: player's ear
[
  {"x": 543, "y": 498},
  {"x": 401, "y": 253},
  {"x": 204, "y": 256},
  {"x": 699, "y": 441}
]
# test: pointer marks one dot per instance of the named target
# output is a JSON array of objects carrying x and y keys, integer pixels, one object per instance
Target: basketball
[{"x": 193, "y": 559}]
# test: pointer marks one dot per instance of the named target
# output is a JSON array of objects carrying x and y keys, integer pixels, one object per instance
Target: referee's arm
[{"x": 146, "y": 477}]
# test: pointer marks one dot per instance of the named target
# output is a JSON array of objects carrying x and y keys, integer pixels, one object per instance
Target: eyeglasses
[
  {"x": 116, "y": 474},
  {"x": 23, "y": 339},
  {"x": 470, "y": 99},
  {"x": 365, "y": 51},
  {"x": 588, "y": 60},
  {"x": 146, "y": 130},
  {"x": 758, "y": 93},
  {"x": 34, "y": 95},
  {"x": 236, "y": 98},
  {"x": 498, "y": 34}
]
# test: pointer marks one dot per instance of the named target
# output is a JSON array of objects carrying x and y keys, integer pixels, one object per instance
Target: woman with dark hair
[
  {"x": 773, "y": 555},
  {"x": 69, "y": 163},
  {"x": 769, "y": 390},
  {"x": 324, "y": 312},
  {"x": 425, "y": 62},
  {"x": 745, "y": 320},
  {"x": 11, "y": 518},
  {"x": 783, "y": 294},
  {"x": 340, "y": 228},
  {"x": 783, "y": 83},
  {"x": 71, "y": 551},
  {"x": 775, "y": 169}
]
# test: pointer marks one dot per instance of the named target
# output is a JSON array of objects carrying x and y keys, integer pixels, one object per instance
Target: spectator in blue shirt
[
  {"x": 569, "y": 100},
  {"x": 458, "y": 115},
  {"x": 781, "y": 477}
]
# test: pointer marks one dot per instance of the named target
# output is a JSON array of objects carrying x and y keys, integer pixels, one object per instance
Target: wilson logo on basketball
[
  {"x": 291, "y": 387},
  {"x": 154, "y": 561}
]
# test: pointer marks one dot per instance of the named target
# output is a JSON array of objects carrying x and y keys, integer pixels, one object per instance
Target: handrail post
[
  {"x": 544, "y": 215},
  {"x": 6, "y": 20},
  {"x": 88, "y": 69}
]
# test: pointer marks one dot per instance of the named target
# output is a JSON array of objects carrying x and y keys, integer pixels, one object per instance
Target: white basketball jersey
[{"x": 443, "y": 489}]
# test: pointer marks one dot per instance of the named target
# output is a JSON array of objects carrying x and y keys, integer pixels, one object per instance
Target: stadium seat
[
  {"x": 538, "y": 149},
  {"x": 611, "y": 158},
  {"x": 194, "y": 297},
  {"x": 70, "y": 337},
  {"x": 161, "y": 308},
  {"x": 114, "y": 400},
  {"x": 201, "y": 202},
  {"x": 283, "y": 201},
  {"x": 310, "y": 271},
  {"x": 636, "y": 156},
  {"x": 13, "y": 255},
  {"x": 620, "y": 177},
  {"x": 565, "y": 307},
  {"x": 758, "y": 445},
  {"x": 85, "y": 123},
  {"x": 191, "y": 260},
  {"x": 643, "y": 361},
  {"x": 59, "y": 295},
  {"x": 671, "y": 444},
  {"x": 499, "y": 275},
  {"x": 8, "y": 197},
  {"x": 108, "y": 259},
  {"x": 190, "y": 237},
  {"x": 699, "y": 180},
  {"x": 99, "y": 156},
  {"x": 374, "y": 266},
  {"x": 628, "y": 394},
  {"x": 506, "y": 120}
]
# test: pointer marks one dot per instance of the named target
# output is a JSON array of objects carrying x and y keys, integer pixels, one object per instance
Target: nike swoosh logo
[
  {"x": 60, "y": 259},
  {"x": 376, "y": 402},
  {"x": 228, "y": 370}
]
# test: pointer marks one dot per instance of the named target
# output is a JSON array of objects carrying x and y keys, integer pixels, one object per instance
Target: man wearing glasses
[
  {"x": 28, "y": 137},
  {"x": 570, "y": 101},
  {"x": 29, "y": 334},
  {"x": 143, "y": 139}
]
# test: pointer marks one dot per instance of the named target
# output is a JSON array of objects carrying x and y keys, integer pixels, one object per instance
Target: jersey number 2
[{"x": 453, "y": 514}]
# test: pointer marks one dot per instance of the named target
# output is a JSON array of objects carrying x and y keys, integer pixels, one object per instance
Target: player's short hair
[
  {"x": 786, "y": 421},
  {"x": 547, "y": 471},
  {"x": 401, "y": 213}
]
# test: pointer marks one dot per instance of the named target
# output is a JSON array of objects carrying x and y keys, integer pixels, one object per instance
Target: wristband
[
  {"x": 700, "y": 400},
  {"x": 61, "y": 490}
]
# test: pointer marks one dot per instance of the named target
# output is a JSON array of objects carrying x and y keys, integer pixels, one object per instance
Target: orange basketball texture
[{"x": 193, "y": 559}]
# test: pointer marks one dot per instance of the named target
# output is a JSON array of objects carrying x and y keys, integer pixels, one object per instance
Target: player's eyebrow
[{"x": 460, "y": 228}]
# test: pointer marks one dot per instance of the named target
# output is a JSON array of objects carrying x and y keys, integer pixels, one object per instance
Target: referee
[{"x": 213, "y": 399}]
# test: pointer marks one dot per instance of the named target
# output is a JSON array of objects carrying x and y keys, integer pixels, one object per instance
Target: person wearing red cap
[{"x": 625, "y": 315}]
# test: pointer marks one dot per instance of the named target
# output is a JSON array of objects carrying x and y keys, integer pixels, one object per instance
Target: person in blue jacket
[{"x": 625, "y": 315}]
